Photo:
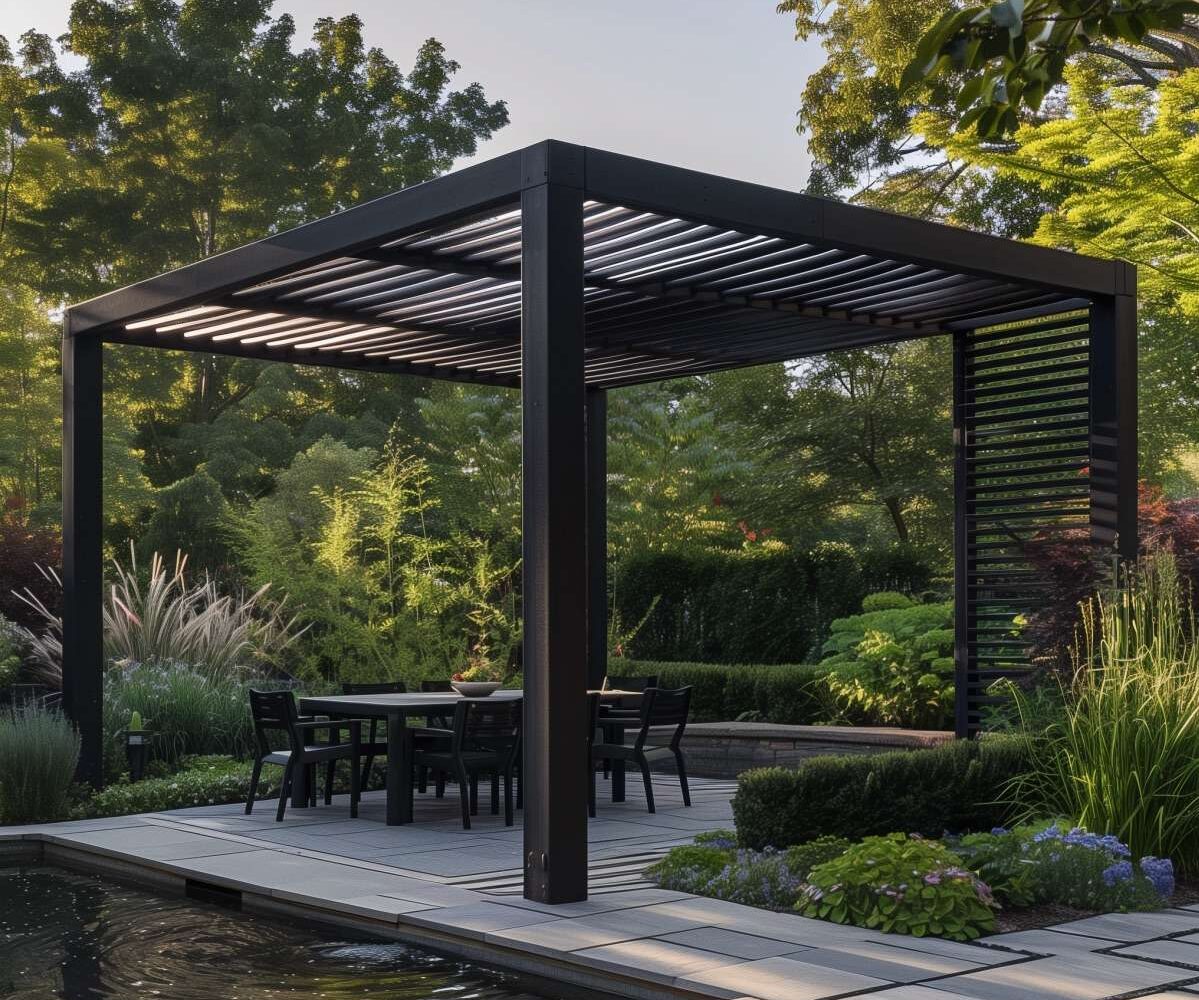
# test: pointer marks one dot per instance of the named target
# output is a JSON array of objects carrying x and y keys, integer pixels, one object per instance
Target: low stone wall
[{"x": 725, "y": 749}]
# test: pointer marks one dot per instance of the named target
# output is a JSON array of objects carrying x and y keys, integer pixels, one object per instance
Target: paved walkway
[{"x": 458, "y": 890}]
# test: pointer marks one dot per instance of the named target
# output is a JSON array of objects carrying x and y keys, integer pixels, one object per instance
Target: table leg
[
  {"x": 399, "y": 770},
  {"x": 300, "y": 786}
]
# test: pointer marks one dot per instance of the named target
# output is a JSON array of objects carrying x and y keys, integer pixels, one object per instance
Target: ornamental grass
[{"x": 1125, "y": 758}]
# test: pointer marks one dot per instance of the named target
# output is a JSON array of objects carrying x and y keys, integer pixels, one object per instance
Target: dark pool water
[{"x": 81, "y": 937}]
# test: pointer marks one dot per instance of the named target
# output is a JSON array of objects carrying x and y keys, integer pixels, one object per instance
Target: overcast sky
[{"x": 709, "y": 84}]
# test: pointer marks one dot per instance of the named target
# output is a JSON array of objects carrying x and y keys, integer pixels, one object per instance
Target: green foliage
[
  {"x": 691, "y": 867},
  {"x": 11, "y": 652},
  {"x": 39, "y": 750},
  {"x": 752, "y": 606},
  {"x": 893, "y": 665},
  {"x": 202, "y": 781},
  {"x": 786, "y": 694},
  {"x": 190, "y": 516},
  {"x": 886, "y": 600},
  {"x": 716, "y": 868},
  {"x": 191, "y": 711},
  {"x": 901, "y": 884},
  {"x": 802, "y": 858},
  {"x": 382, "y": 595},
  {"x": 1001, "y": 859},
  {"x": 952, "y": 787},
  {"x": 1126, "y": 757},
  {"x": 1011, "y": 53}
]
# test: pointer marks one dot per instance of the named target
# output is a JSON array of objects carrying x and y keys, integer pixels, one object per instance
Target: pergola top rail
[{"x": 684, "y": 273}]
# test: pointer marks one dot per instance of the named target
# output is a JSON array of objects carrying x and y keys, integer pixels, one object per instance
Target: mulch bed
[{"x": 1046, "y": 915}]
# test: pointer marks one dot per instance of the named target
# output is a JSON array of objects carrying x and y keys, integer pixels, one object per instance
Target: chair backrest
[
  {"x": 483, "y": 724},
  {"x": 274, "y": 711},
  {"x": 593, "y": 717},
  {"x": 664, "y": 707},
  {"x": 380, "y": 687},
  {"x": 442, "y": 719},
  {"x": 433, "y": 687},
  {"x": 633, "y": 683}
]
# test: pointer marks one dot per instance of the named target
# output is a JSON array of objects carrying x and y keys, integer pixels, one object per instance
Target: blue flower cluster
[
  {"x": 1159, "y": 871},
  {"x": 1079, "y": 837}
]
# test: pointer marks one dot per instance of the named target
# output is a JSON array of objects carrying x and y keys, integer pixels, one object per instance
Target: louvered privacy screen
[{"x": 1026, "y": 472}]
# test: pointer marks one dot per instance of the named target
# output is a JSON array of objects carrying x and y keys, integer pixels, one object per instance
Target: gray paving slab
[
  {"x": 869, "y": 958},
  {"x": 1045, "y": 941},
  {"x": 578, "y": 933},
  {"x": 734, "y": 944},
  {"x": 476, "y": 860},
  {"x": 600, "y": 903},
  {"x": 1064, "y": 977},
  {"x": 914, "y": 993},
  {"x": 482, "y": 917},
  {"x": 211, "y": 847},
  {"x": 656, "y": 960},
  {"x": 777, "y": 979},
  {"x": 1165, "y": 950},
  {"x": 1133, "y": 926}
]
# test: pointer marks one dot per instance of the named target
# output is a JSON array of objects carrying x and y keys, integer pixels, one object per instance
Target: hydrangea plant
[
  {"x": 1095, "y": 872},
  {"x": 901, "y": 884}
]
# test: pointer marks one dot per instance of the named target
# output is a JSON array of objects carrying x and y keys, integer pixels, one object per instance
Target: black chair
[
  {"x": 376, "y": 744},
  {"x": 659, "y": 707},
  {"x": 485, "y": 739},
  {"x": 438, "y": 726},
  {"x": 627, "y": 709},
  {"x": 275, "y": 711}
]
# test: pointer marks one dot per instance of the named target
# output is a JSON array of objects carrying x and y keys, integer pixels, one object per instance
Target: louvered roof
[{"x": 684, "y": 273}]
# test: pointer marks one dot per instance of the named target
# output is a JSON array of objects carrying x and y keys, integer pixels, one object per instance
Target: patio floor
[{"x": 436, "y": 884}]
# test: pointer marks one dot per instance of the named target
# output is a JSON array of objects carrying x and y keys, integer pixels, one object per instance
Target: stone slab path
[{"x": 460, "y": 891}]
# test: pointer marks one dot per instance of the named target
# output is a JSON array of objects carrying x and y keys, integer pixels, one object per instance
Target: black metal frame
[{"x": 566, "y": 271}]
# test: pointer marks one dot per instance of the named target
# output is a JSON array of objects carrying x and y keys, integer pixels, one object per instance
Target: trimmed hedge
[
  {"x": 754, "y": 606},
  {"x": 953, "y": 787},
  {"x": 786, "y": 694},
  {"x": 204, "y": 781}
]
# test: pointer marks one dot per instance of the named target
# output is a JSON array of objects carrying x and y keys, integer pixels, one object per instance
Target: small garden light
[{"x": 137, "y": 746}]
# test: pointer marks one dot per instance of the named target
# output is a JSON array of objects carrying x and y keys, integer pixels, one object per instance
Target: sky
[{"x": 709, "y": 84}]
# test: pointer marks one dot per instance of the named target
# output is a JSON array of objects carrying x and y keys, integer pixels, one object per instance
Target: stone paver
[
  {"x": 1063, "y": 977},
  {"x": 778, "y": 979}
]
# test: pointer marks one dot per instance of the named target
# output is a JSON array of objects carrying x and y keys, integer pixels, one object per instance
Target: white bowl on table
[{"x": 475, "y": 689}]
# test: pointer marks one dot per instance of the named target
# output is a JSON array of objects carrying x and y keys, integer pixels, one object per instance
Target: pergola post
[
  {"x": 1113, "y": 419},
  {"x": 82, "y": 552},
  {"x": 597, "y": 536},
  {"x": 555, "y": 543}
]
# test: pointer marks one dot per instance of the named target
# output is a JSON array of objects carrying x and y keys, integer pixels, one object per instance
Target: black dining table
[{"x": 395, "y": 709}]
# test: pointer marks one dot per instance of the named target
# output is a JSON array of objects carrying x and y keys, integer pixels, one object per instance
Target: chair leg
[
  {"x": 464, "y": 787},
  {"x": 255, "y": 773},
  {"x": 509, "y": 815},
  {"x": 355, "y": 787},
  {"x": 439, "y": 784},
  {"x": 591, "y": 789},
  {"x": 284, "y": 790},
  {"x": 473, "y": 782},
  {"x": 422, "y": 780},
  {"x": 329, "y": 768},
  {"x": 678, "y": 760},
  {"x": 649, "y": 784},
  {"x": 312, "y": 786},
  {"x": 365, "y": 780},
  {"x": 495, "y": 793}
]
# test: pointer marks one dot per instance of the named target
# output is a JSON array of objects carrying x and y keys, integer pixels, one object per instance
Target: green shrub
[
  {"x": 690, "y": 868},
  {"x": 39, "y": 750},
  {"x": 190, "y": 711},
  {"x": 894, "y": 665},
  {"x": 886, "y": 600},
  {"x": 762, "y": 606},
  {"x": 953, "y": 787},
  {"x": 802, "y": 858},
  {"x": 716, "y": 868},
  {"x": 11, "y": 642},
  {"x": 785, "y": 694},
  {"x": 903, "y": 885},
  {"x": 209, "y": 780},
  {"x": 1126, "y": 756}
]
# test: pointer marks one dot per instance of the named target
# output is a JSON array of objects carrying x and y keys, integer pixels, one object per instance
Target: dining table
[{"x": 394, "y": 709}]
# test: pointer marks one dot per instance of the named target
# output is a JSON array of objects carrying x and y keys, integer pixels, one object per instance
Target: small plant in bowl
[{"x": 480, "y": 678}]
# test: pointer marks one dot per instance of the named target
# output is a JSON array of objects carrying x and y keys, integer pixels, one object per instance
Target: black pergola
[{"x": 565, "y": 271}]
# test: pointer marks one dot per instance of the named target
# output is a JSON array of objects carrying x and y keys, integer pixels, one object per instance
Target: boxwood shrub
[
  {"x": 786, "y": 694},
  {"x": 955, "y": 787}
]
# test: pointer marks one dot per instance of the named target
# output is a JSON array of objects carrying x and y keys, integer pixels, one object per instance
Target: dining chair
[
  {"x": 375, "y": 744},
  {"x": 626, "y": 709},
  {"x": 659, "y": 707},
  {"x": 485, "y": 739},
  {"x": 275, "y": 712},
  {"x": 437, "y": 727}
]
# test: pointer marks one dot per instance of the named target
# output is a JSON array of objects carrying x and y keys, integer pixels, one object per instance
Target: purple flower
[
  {"x": 998, "y": 831},
  {"x": 1121, "y": 871},
  {"x": 1159, "y": 871}
]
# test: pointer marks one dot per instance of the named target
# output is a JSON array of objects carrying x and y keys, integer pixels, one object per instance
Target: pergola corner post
[
  {"x": 555, "y": 535},
  {"x": 1113, "y": 417},
  {"x": 597, "y": 537},
  {"x": 961, "y": 544},
  {"x": 82, "y": 545}
]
